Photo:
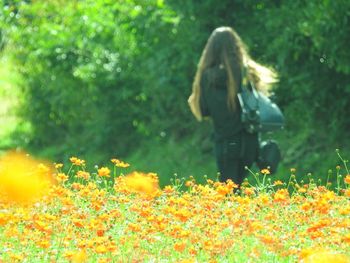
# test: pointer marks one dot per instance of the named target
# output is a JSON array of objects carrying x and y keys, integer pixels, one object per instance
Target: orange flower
[
  {"x": 134, "y": 227},
  {"x": 104, "y": 172},
  {"x": 267, "y": 239},
  {"x": 347, "y": 179},
  {"x": 278, "y": 182},
  {"x": 83, "y": 175},
  {"x": 76, "y": 161},
  {"x": 346, "y": 238},
  {"x": 189, "y": 184},
  {"x": 281, "y": 195},
  {"x": 306, "y": 206},
  {"x": 168, "y": 189},
  {"x": 78, "y": 223},
  {"x": 61, "y": 177},
  {"x": 222, "y": 190},
  {"x": 43, "y": 244},
  {"x": 4, "y": 218},
  {"x": 120, "y": 163},
  {"x": 180, "y": 246},
  {"x": 249, "y": 191},
  {"x": 347, "y": 192}
]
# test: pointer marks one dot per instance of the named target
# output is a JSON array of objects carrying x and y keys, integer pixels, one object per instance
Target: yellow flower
[
  {"x": 302, "y": 190},
  {"x": 142, "y": 183},
  {"x": 347, "y": 193},
  {"x": 58, "y": 165},
  {"x": 61, "y": 177},
  {"x": 104, "y": 172},
  {"x": 83, "y": 175},
  {"x": 120, "y": 163},
  {"x": 249, "y": 191},
  {"x": 347, "y": 179},
  {"x": 265, "y": 171},
  {"x": 16, "y": 257},
  {"x": 189, "y": 183},
  {"x": 101, "y": 249},
  {"x": 223, "y": 190},
  {"x": 281, "y": 195},
  {"x": 168, "y": 189},
  {"x": 76, "y": 161},
  {"x": 278, "y": 182},
  {"x": 79, "y": 257},
  {"x": 323, "y": 256},
  {"x": 23, "y": 179}
]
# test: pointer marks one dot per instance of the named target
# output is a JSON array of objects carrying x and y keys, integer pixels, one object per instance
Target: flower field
[{"x": 52, "y": 213}]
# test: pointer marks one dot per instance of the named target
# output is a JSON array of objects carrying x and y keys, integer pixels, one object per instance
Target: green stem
[
  {"x": 290, "y": 178},
  {"x": 255, "y": 176},
  {"x": 328, "y": 175},
  {"x": 338, "y": 181},
  {"x": 69, "y": 170},
  {"x": 343, "y": 161}
]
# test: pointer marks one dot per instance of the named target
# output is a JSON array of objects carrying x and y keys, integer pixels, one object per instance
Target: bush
[{"x": 85, "y": 71}]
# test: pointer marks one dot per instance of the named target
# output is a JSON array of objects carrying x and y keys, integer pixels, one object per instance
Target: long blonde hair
[{"x": 225, "y": 48}]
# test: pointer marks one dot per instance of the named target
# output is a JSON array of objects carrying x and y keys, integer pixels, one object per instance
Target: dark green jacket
[{"x": 213, "y": 103}]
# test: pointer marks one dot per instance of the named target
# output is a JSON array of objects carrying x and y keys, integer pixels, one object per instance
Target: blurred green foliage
[{"x": 102, "y": 78}]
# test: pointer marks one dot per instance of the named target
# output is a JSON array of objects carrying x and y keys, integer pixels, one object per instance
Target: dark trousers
[{"x": 234, "y": 154}]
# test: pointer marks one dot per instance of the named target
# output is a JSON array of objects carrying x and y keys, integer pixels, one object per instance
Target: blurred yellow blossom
[
  {"x": 141, "y": 182},
  {"x": 79, "y": 257},
  {"x": 22, "y": 178},
  {"x": 323, "y": 256}
]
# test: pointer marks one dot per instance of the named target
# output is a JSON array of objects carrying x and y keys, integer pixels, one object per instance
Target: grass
[{"x": 170, "y": 159}]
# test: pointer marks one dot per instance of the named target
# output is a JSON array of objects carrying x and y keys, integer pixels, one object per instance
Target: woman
[{"x": 214, "y": 94}]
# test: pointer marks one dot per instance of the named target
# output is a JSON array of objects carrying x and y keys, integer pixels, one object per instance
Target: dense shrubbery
[{"x": 102, "y": 75}]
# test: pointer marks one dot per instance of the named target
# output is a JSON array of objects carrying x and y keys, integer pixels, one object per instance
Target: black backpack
[{"x": 259, "y": 113}]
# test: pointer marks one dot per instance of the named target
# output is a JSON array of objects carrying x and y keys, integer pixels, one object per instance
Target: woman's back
[{"x": 213, "y": 102}]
